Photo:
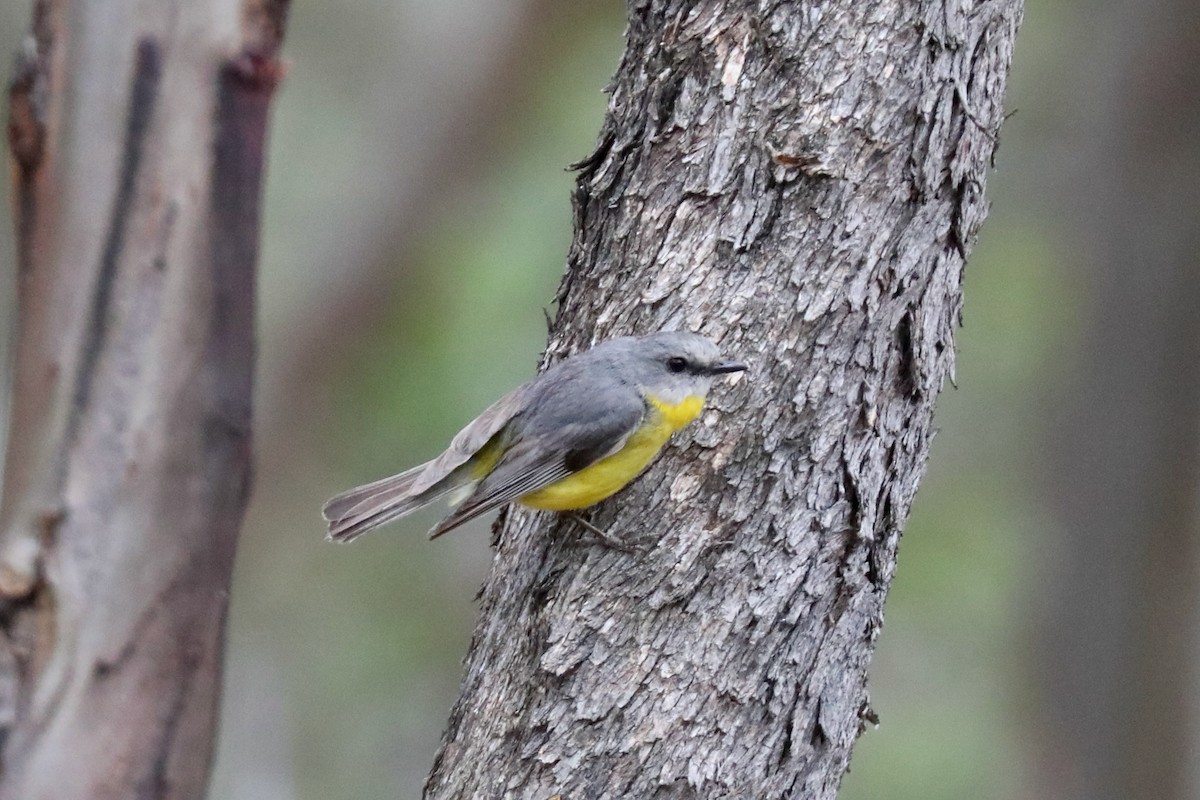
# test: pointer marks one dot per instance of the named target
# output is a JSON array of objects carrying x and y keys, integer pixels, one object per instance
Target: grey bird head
[{"x": 671, "y": 366}]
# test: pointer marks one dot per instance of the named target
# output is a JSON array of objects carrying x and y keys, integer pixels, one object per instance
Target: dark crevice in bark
[{"x": 143, "y": 96}]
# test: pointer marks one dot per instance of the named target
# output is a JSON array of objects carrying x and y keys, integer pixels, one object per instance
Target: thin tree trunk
[
  {"x": 138, "y": 134},
  {"x": 803, "y": 183}
]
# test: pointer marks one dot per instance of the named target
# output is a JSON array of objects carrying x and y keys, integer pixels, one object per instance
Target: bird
[{"x": 567, "y": 439}]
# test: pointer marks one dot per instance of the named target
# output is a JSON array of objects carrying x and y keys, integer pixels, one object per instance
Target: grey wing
[
  {"x": 470, "y": 439},
  {"x": 598, "y": 428}
]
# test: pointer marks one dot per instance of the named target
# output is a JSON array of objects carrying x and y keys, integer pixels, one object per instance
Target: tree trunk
[
  {"x": 802, "y": 183},
  {"x": 138, "y": 134}
]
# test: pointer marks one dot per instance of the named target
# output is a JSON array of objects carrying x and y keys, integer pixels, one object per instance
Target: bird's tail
[{"x": 356, "y": 511}]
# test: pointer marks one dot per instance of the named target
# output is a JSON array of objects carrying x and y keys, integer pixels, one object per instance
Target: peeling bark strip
[
  {"x": 244, "y": 93},
  {"x": 803, "y": 183},
  {"x": 36, "y": 389},
  {"x": 129, "y": 460}
]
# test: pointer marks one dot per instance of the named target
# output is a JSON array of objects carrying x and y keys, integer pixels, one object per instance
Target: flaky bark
[
  {"x": 804, "y": 184},
  {"x": 138, "y": 134}
]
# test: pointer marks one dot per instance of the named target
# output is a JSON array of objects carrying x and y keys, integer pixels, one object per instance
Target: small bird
[{"x": 567, "y": 439}]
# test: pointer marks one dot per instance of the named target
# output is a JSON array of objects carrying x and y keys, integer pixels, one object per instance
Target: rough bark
[
  {"x": 803, "y": 183},
  {"x": 138, "y": 137},
  {"x": 1120, "y": 653}
]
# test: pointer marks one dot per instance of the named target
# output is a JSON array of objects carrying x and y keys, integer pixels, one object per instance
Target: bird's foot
[{"x": 605, "y": 538}]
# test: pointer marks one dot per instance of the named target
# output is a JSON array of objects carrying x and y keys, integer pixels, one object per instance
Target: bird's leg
[{"x": 604, "y": 537}]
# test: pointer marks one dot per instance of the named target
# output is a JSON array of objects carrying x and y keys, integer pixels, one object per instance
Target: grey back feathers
[{"x": 575, "y": 413}]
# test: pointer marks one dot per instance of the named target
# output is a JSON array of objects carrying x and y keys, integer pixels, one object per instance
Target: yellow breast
[{"x": 609, "y": 475}]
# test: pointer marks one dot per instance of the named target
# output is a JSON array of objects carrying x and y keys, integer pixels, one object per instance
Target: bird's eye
[{"x": 676, "y": 364}]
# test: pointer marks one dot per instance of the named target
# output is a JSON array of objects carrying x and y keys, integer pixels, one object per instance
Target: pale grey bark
[
  {"x": 138, "y": 134},
  {"x": 803, "y": 183}
]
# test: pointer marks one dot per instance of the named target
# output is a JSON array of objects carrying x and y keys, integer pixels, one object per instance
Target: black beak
[{"x": 723, "y": 367}]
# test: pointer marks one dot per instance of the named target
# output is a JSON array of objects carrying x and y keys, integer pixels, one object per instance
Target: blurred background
[{"x": 1041, "y": 635}]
